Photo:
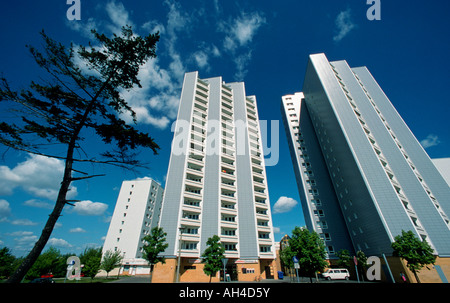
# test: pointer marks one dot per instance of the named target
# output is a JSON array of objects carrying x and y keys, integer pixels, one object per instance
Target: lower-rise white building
[{"x": 136, "y": 213}]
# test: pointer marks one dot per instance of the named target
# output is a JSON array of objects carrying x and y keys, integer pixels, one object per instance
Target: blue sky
[{"x": 263, "y": 43}]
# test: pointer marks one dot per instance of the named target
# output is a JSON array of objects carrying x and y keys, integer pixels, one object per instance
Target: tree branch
[{"x": 87, "y": 177}]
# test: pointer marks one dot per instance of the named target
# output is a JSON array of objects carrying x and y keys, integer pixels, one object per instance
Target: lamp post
[
  {"x": 224, "y": 262},
  {"x": 180, "y": 229}
]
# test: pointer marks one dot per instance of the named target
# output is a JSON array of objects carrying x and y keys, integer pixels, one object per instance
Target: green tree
[
  {"x": 362, "y": 262},
  {"x": 73, "y": 104},
  {"x": 309, "y": 249},
  {"x": 155, "y": 244},
  {"x": 212, "y": 256},
  {"x": 46, "y": 263},
  {"x": 417, "y": 253},
  {"x": 344, "y": 258},
  {"x": 91, "y": 260},
  {"x": 111, "y": 259},
  {"x": 7, "y": 261},
  {"x": 286, "y": 255}
]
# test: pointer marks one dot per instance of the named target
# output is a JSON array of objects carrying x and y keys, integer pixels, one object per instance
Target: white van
[{"x": 336, "y": 274}]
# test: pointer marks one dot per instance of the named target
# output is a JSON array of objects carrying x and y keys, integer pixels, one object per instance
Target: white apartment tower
[
  {"x": 216, "y": 184},
  {"x": 136, "y": 213}
]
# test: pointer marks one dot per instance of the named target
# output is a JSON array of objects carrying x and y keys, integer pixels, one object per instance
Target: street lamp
[
  {"x": 224, "y": 262},
  {"x": 180, "y": 229}
]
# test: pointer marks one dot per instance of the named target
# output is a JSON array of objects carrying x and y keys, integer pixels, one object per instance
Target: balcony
[
  {"x": 227, "y": 185},
  {"x": 192, "y": 203},
  {"x": 224, "y": 211},
  {"x": 227, "y": 113},
  {"x": 192, "y": 191},
  {"x": 200, "y": 107},
  {"x": 225, "y": 205},
  {"x": 194, "y": 179},
  {"x": 263, "y": 225},
  {"x": 258, "y": 181}
]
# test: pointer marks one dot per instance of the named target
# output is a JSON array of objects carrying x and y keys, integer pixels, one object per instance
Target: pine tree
[{"x": 72, "y": 104}]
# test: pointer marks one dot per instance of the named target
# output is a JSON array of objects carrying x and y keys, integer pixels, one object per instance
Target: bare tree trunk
[
  {"x": 29, "y": 260},
  {"x": 417, "y": 276},
  {"x": 151, "y": 272}
]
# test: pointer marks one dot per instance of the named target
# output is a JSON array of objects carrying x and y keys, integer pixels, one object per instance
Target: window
[
  {"x": 322, "y": 224},
  {"x": 330, "y": 249},
  {"x": 264, "y": 248},
  {"x": 314, "y": 192},
  {"x": 228, "y": 232},
  {"x": 190, "y": 245},
  {"x": 229, "y": 246},
  {"x": 318, "y": 202},
  {"x": 192, "y": 231},
  {"x": 191, "y": 216}
]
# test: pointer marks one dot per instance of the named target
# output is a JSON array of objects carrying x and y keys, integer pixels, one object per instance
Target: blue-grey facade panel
[
  {"x": 349, "y": 154},
  {"x": 382, "y": 190},
  {"x": 211, "y": 190},
  {"x": 384, "y": 180},
  {"x": 248, "y": 235},
  {"x": 401, "y": 157},
  {"x": 173, "y": 197}
]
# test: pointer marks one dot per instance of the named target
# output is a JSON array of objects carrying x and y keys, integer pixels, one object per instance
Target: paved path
[{"x": 133, "y": 279}]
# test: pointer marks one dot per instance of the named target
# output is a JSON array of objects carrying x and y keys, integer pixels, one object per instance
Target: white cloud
[
  {"x": 344, "y": 25},
  {"x": 89, "y": 208},
  {"x": 77, "y": 230},
  {"x": 118, "y": 15},
  {"x": 241, "y": 62},
  {"x": 58, "y": 243},
  {"x": 153, "y": 26},
  {"x": 24, "y": 222},
  {"x": 201, "y": 58},
  {"x": 430, "y": 140},
  {"x": 25, "y": 241},
  {"x": 241, "y": 30},
  {"x": 284, "y": 205},
  {"x": 156, "y": 103},
  {"x": 239, "y": 35},
  {"x": 38, "y": 175},
  {"x": 38, "y": 204},
  {"x": 20, "y": 233},
  {"x": 5, "y": 210}
]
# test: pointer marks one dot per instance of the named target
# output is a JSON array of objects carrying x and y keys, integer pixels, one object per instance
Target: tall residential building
[
  {"x": 363, "y": 177},
  {"x": 137, "y": 211},
  {"x": 317, "y": 196},
  {"x": 216, "y": 184}
]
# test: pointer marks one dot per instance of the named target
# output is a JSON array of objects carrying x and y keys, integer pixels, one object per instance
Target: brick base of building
[{"x": 191, "y": 270}]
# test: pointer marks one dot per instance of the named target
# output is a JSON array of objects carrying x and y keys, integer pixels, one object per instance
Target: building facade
[
  {"x": 317, "y": 196},
  {"x": 372, "y": 177},
  {"x": 136, "y": 212},
  {"x": 216, "y": 184}
]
